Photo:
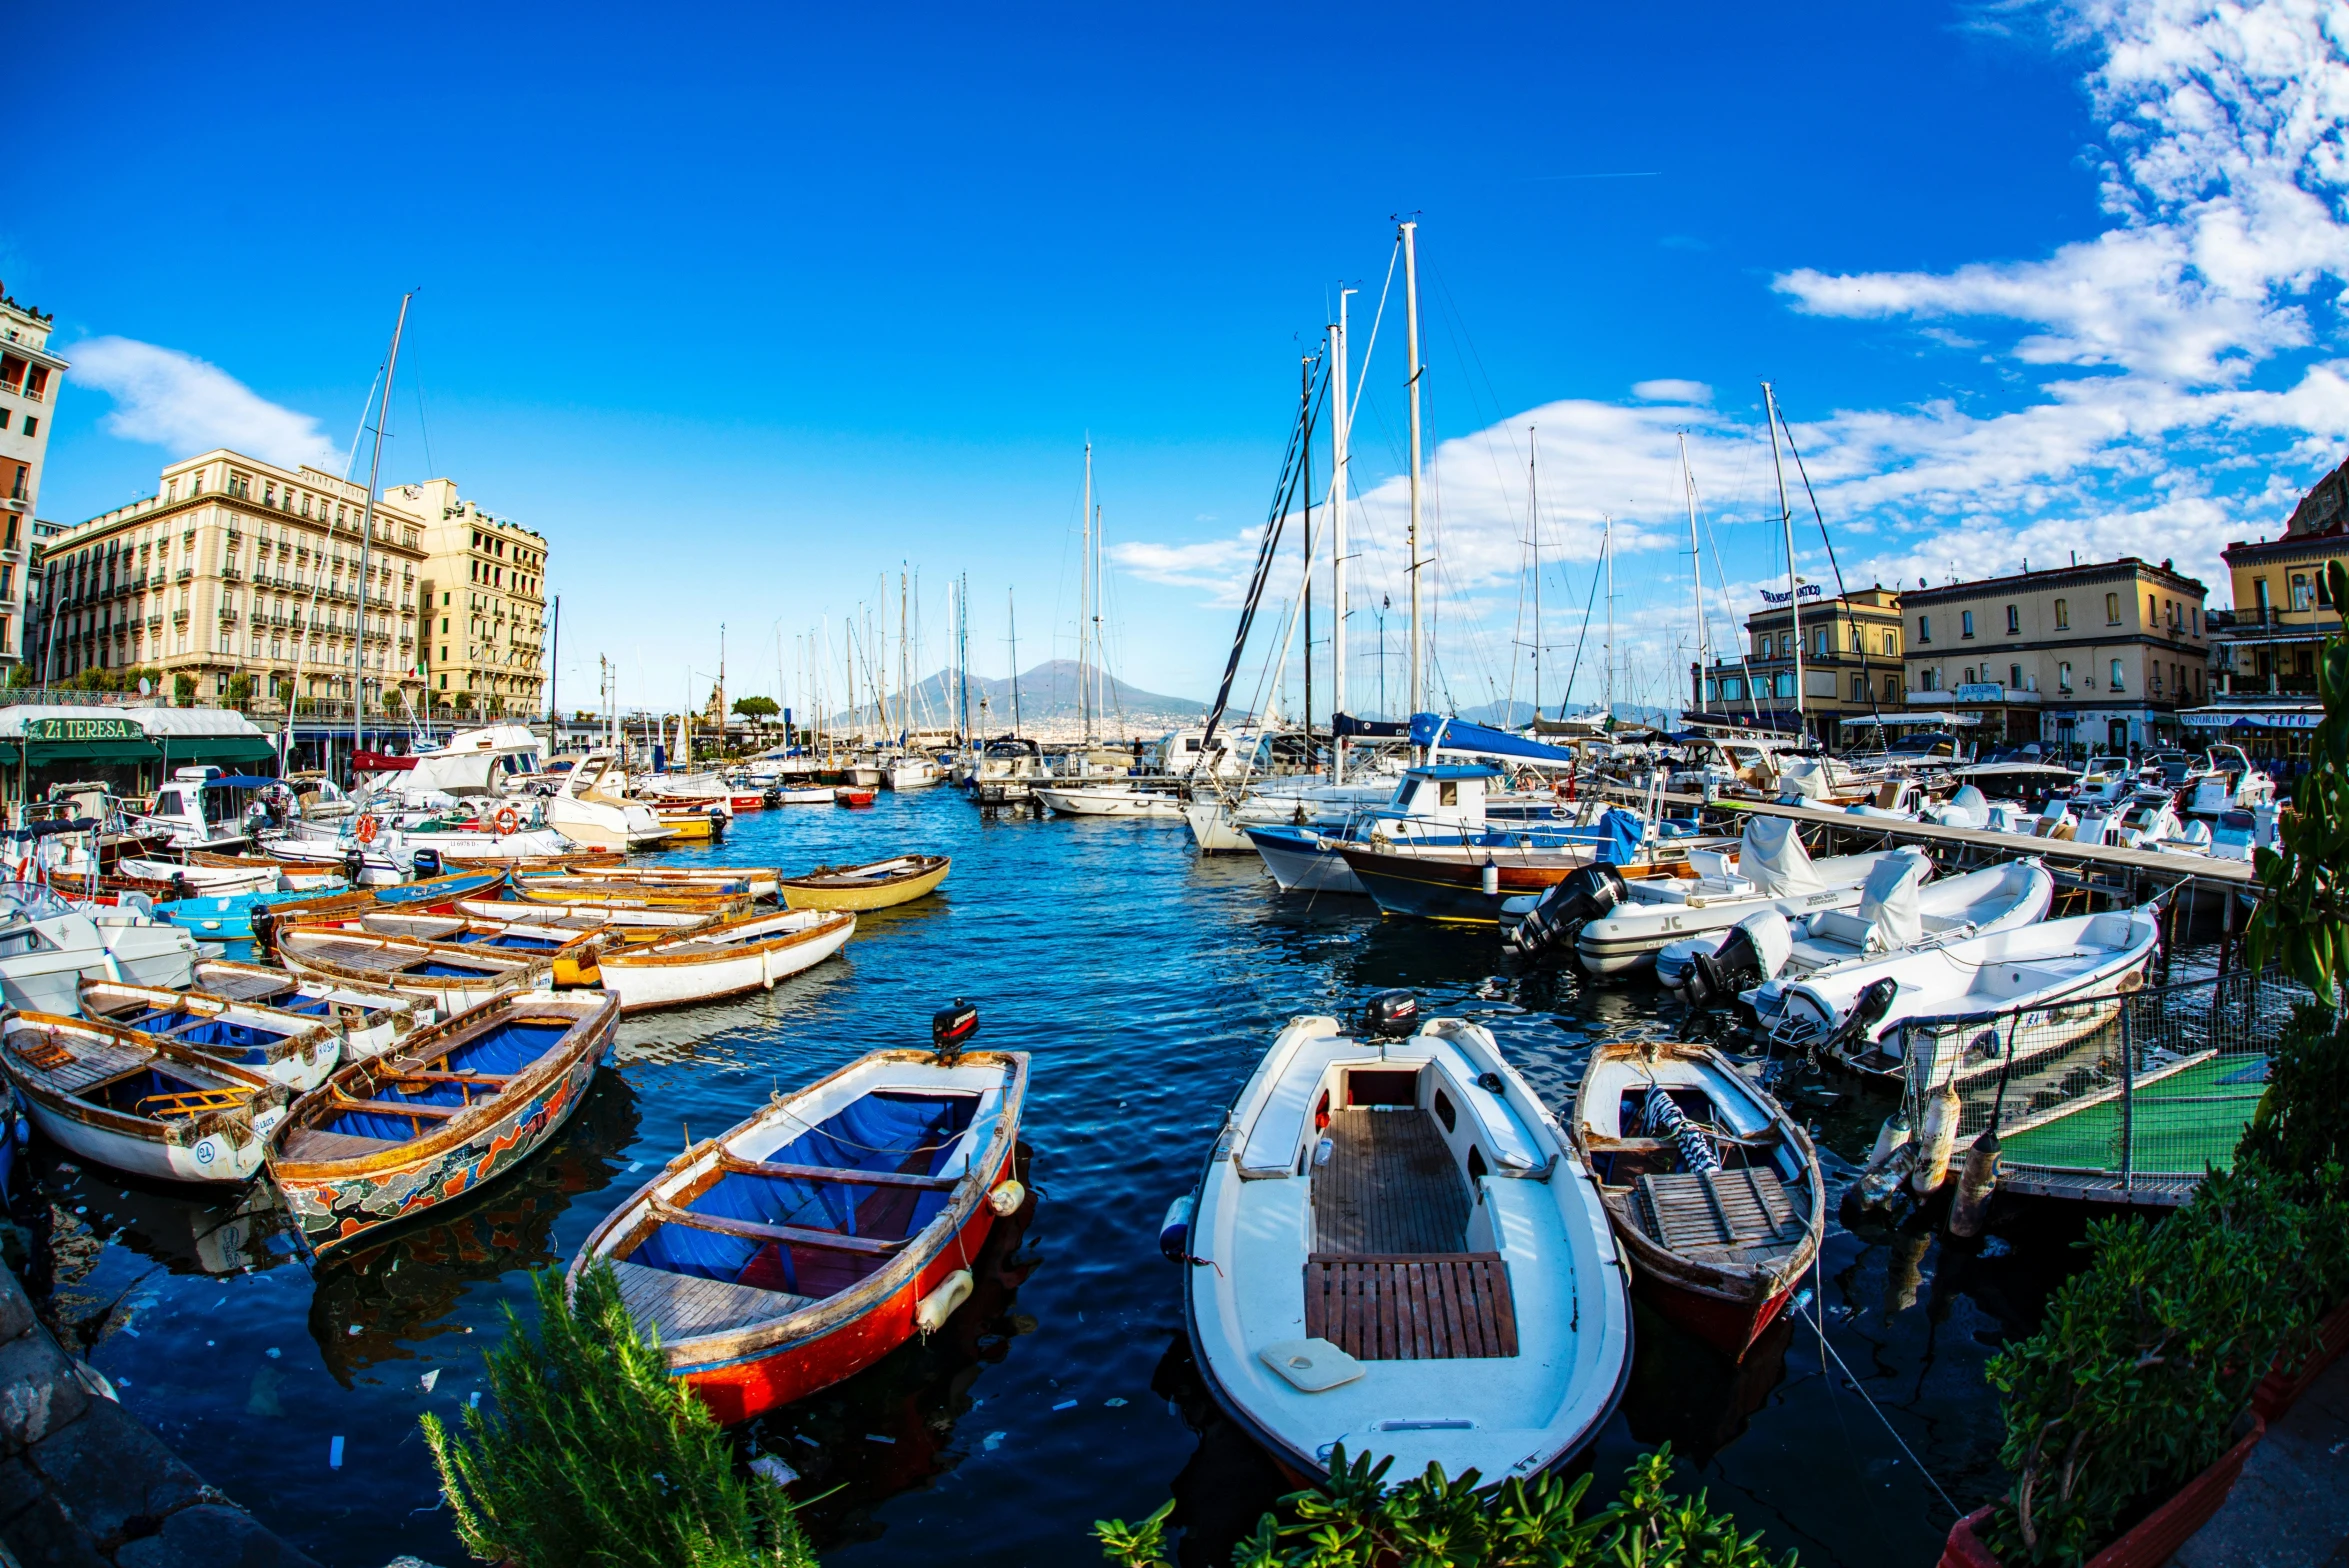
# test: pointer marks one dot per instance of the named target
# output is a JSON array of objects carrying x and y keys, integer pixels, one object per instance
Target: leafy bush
[
  {"x": 594, "y": 1459},
  {"x": 1358, "y": 1523},
  {"x": 2302, "y": 1124},
  {"x": 2146, "y": 1358}
]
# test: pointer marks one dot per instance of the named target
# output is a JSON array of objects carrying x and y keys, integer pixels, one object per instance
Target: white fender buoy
[
  {"x": 1889, "y": 1137},
  {"x": 1007, "y": 1198},
  {"x": 1489, "y": 878},
  {"x": 1935, "y": 1141},
  {"x": 939, "y": 1304}
]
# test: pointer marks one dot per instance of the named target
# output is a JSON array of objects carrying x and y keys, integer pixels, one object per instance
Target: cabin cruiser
[
  {"x": 49, "y": 946},
  {"x": 590, "y": 811},
  {"x": 2229, "y": 782},
  {"x": 494, "y": 760},
  {"x": 1219, "y": 824},
  {"x": 1436, "y": 803},
  {"x": 203, "y": 808}
]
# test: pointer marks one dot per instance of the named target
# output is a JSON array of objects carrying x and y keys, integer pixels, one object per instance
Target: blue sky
[{"x": 744, "y": 310}]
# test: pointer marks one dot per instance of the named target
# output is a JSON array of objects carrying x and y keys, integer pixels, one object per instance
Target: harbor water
[{"x": 1147, "y": 981}]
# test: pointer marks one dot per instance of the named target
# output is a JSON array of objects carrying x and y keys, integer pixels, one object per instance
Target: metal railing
[{"x": 2129, "y": 1096}]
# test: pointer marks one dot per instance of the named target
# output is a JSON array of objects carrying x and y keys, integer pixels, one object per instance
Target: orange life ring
[
  {"x": 367, "y": 830},
  {"x": 509, "y": 820}
]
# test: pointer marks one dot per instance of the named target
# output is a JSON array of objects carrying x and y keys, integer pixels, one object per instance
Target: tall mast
[
  {"x": 1100, "y": 648},
  {"x": 1085, "y": 601},
  {"x": 1794, "y": 593},
  {"x": 1011, "y": 609},
  {"x": 1696, "y": 574},
  {"x": 1337, "y": 523},
  {"x": 721, "y": 688},
  {"x": 1305, "y": 489},
  {"x": 1607, "y": 548},
  {"x": 367, "y": 526},
  {"x": 554, "y": 716},
  {"x": 904, "y": 675},
  {"x": 1411, "y": 350},
  {"x": 1533, "y": 512}
]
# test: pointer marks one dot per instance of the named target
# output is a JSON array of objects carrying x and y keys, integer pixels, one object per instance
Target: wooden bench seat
[
  {"x": 1712, "y": 1215},
  {"x": 1411, "y": 1306}
]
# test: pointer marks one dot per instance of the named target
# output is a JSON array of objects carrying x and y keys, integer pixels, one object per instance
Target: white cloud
[
  {"x": 176, "y": 401},
  {"x": 1668, "y": 391},
  {"x": 1221, "y": 566}
]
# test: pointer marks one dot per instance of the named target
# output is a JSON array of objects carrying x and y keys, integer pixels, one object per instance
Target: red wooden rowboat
[
  {"x": 852, "y": 797},
  {"x": 801, "y": 1246}
]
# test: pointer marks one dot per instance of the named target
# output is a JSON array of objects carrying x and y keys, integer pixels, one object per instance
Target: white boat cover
[
  {"x": 1888, "y": 899},
  {"x": 1803, "y": 778},
  {"x": 1771, "y": 856},
  {"x": 1968, "y": 808}
]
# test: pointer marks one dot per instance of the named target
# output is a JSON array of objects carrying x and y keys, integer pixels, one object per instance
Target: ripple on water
[{"x": 1146, "y": 984}]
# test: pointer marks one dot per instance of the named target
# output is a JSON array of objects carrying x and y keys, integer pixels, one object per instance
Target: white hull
[
  {"x": 911, "y": 775},
  {"x": 206, "y": 880},
  {"x": 1629, "y": 936},
  {"x": 1534, "y": 1205},
  {"x": 1085, "y": 801},
  {"x": 74, "y": 949},
  {"x": 821, "y": 796},
  {"x": 645, "y": 978},
  {"x": 231, "y": 1162},
  {"x": 1323, "y": 870}
]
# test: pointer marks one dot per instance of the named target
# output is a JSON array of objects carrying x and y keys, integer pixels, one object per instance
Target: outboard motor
[
  {"x": 952, "y": 1029},
  {"x": 1583, "y": 896},
  {"x": 1866, "y": 1013},
  {"x": 1391, "y": 1014},
  {"x": 179, "y": 886},
  {"x": 1753, "y": 952},
  {"x": 354, "y": 866},
  {"x": 427, "y": 864}
]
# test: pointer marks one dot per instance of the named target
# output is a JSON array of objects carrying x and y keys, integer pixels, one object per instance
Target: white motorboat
[
  {"x": 495, "y": 760},
  {"x": 48, "y": 947},
  {"x": 911, "y": 773},
  {"x": 1463, "y": 1303},
  {"x": 138, "y": 1102},
  {"x": 1109, "y": 799},
  {"x": 794, "y": 795},
  {"x": 2049, "y": 984},
  {"x": 590, "y": 811},
  {"x": 2229, "y": 782},
  {"x": 202, "y": 808},
  {"x": 1305, "y": 859},
  {"x": 287, "y": 1048},
  {"x": 201, "y": 880},
  {"x": 1899, "y": 910},
  {"x": 1634, "y": 920},
  {"x": 1219, "y": 823},
  {"x": 726, "y": 958}
]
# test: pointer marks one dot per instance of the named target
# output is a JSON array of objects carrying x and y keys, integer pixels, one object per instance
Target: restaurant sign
[
  {"x": 1981, "y": 691},
  {"x": 83, "y": 729}
]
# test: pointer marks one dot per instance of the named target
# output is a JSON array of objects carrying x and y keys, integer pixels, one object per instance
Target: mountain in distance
[
  {"x": 1047, "y": 700},
  {"x": 1516, "y": 714}
]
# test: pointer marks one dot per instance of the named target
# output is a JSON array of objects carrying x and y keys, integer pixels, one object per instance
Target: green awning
[
  {"x": 93, "y": 751},
  {"x": 194, "y": 750}
]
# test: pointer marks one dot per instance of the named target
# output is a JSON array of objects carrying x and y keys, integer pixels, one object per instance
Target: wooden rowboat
[
  {"x": 875, "y": 885},
  {"x": 1721, "y": 1240},
  {"x": 455, "y": 1106},
  {"x": 853, "y": 795},
  {"x": 633, "y": 925},
  {"x": 572, "y": 944},
  {"x": 570, "y": 860},
  {"x": 749, "y": 953},
  {"x": 710, "y": 881},
  {"x": 429, "y": 893},
  {"x": 139, "y": 1102},
  {"x": 371, "y": 1018},
  {"x": 804, "y": 1244},
  {"x": 450, "y": 975},
  {"x": 689, "y": 826},
  {"x": 286, "y": 1048},
  {"x": 611, "y": 893}
]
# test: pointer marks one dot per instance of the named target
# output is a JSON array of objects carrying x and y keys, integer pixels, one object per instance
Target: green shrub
[
  {"x": 1359, "y": 1523},
  {"x": 592, "y": 1458},
  {"x": 2146, "y": 1358},
  {"x": 2302, "y": 1124}
]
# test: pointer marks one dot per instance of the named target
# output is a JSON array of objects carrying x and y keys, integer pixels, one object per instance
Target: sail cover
[
  {"x": 1483, "y": 740},
  {"x": 1889, "y": 898},
  {"x": 1771, "y": 856}
]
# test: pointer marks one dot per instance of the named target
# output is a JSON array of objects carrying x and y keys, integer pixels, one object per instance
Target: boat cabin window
[
  {"x": 1383, "y": 1086},
  {"x": 1444, "y": 1111},
  {"x": 1448, "y": 792},
  {"x": 1405, "y": 792},
  {"x": 167, "y": 801}
]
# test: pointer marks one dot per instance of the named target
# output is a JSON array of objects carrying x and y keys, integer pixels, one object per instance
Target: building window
[
  {"x": 2258, "y": 595},
  {"x": 2149, "y": 610},
  {"x": 2112, "y": 604},
  {"x": 1823, "y": 641},
  {"x": 1924, "y": 628},
  {"x": 2014, "y": 621},
  {"x": 1965, "y": 623},
  {"x": 2117, "y": 684},
  {"x": 32, "y": 427},
  {"x": 1929, "y": 680},
  {"x": 2302, "y": 595},
  {"x": 1859, "y": 688},
  {"x": 1968, "y": 678},
  {"x": 2063, "y": 615},
  {"x": 1786, "y": 683},
  {"x": 1732, "y": 688},
  {"x": 2014, "y": 677}
]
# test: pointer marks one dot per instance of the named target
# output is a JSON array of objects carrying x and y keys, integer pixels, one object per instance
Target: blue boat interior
[
  {"x": 526, "y": 940},
  {"x": 128, "y": 1094},
  {"x": 504, "y": 1051},
  {"x": 433, "y": 891},
  {"x": 895, "y": 1131},
  {"x": 442, "y": 968},
  {"x": 245, "y": 1043}
]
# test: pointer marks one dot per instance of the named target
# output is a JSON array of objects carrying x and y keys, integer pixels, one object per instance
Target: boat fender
[
  {"x": 1488, "y": 878},
  {"x": 1975, "y": 1186},
  {"x": 1007, "y": 1197},
  {"x": 1935, "y": 1141},
  {"x": 1174, "y": 1231},
  {"x": 1889, "y": 1137},
  {"x": 936, "y": 1307}
]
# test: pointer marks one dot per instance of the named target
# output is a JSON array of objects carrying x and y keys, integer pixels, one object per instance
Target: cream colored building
[
  {"x": 30, "y": 379},
  {"x": 484, "y": 604},
  {"x": 236, "y": 567},
  {"x": 1851, "y": 665},
  {"x": 2094, "y": 656}
]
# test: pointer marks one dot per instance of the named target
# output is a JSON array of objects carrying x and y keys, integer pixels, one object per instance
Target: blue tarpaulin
[{"x": 1484, "y": 740}]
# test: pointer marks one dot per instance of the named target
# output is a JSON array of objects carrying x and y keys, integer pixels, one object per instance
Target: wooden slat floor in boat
[
  {"x": 308, "y": 1145},
  {"x": 1390, "y": 1186},
  {"x": 360, "y": 955},
  {"x": 679, "y": 1305},
  {"x": 243, "y": 988},
  {"x": 1718, "y": 1216},
  {"x": 1412, "y": 1307},
  {"x": 92, "y": 1064}
]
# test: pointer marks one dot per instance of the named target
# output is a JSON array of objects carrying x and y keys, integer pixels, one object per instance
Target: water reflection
[{"x": 389, "y": 1301}]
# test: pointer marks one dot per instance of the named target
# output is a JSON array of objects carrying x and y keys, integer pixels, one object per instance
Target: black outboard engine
[
  {"x": 952, "y": 1028},
  {"x": 773, "y": 797},
  {"x": 427, "y": 863},
  {"x": 354, "y": 866},
  {"x": 179, "y": 886},
  {"x": 1391, "y": 1014},
  {"x": 1736, "y": 966},
  {"x": 1583, "y": 896},
  {"x": 1867, "y": 1011}
]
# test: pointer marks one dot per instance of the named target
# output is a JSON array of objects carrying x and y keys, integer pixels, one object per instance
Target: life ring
[
  {"x": 509, "y": 820},
  {"x": 367, "y": 830}
]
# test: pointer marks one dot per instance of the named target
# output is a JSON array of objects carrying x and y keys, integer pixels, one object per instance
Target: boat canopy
[
  {"x": 1447, "y": 734},
  {"x": 1771, "y": 856},
  {"x": 1889, "y": 899}
]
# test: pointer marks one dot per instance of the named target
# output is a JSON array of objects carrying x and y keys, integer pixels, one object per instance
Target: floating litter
[
  {"x": 353, "y": 1331},
  {"x": 875, "y": 1437},
  {"x": 1066, "y": 1404},
  {"x": 211, "y": 1344},
  {"x": 635, "y": 1166},
  {"x": 334, "y": 1454},
  {"x": 776, "y": 1472},
  {"x": 429, "y": 1378},
  {"x": 132, "y": 1332},
  {"x": 273, "y": 1352},
  {"x": 1114, "y": 1404},
  {"x": 994, "y": 1441},
  {"x": 475, "y": 1401}
]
